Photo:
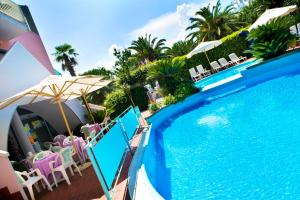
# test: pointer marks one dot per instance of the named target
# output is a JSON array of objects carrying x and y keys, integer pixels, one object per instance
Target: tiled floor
[{"x": 88, "y": 187}]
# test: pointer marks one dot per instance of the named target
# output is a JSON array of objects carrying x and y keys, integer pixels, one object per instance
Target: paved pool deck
[{"x": 88, "y": 187}]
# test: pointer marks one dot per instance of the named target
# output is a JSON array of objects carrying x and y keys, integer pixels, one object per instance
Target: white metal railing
[{"x": 11, "y": 9}]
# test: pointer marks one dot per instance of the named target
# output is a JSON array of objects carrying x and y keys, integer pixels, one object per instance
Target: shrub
[
  {"x": 116, "y": 102},
  {"x": 272, "y": 39},
  {"x": 184, "y": 90},
  {"x": 169, "y": 99},
  {"x": 167, "y": 73},
  {"x": 19, "y": 166},
  {"x": 98, "y": 115},
  {"x": 140, "y": 98},
  {"x": 153, "y": 107}
]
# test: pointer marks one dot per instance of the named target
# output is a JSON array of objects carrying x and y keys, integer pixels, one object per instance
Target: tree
[
  {"x": 181, "y": 48},
  {"x": 213, "y": 24},
  {"x": 148, "y": 49},
  {"x": 66, "y": 55},
  {"x": 98, "y": 96},
  {"x": 167, "y": 73},
  {"x": 250, "y": 13},
  {"x": 101, "y": 71}
]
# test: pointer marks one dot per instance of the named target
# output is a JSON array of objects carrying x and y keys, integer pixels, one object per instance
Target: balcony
[
  {"x": 12, "y": 21},
  {"x": 12, "y": 10}
]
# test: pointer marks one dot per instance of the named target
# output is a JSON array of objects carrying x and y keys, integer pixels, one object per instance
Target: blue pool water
[
  {"x": 245, "y": 145},
  {"x": 225, "y": 73}
]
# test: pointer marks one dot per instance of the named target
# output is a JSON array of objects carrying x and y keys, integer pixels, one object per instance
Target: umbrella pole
[
  {"x": 88, "y": 108},
  {"x": 207, "y": 57},
  {"x": 66, "y": 122}
]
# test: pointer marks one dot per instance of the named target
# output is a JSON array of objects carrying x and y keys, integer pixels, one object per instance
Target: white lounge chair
[
  {"x": 224, "y": 63},
  {"x": 235, "y": 59},
  {"x": 67, "y": 161},
  {"x": 194, "y": 75},
  {"x": 32, "y": 178},
  {"x": 202, "y": 71},
  {"x": 216, "y": 66}
]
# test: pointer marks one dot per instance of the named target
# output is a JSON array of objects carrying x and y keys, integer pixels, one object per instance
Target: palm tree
[
  {"x": 148, "y": 49},
  {"x": 66, "y": 55},
  {"x": 181, "y": 48},
  {"x": 167, "y": 73},
  {"x": 249, "y": 14},
  {"x": 212, "y": 24}
]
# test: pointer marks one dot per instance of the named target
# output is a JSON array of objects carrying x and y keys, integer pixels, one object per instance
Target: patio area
[{"x": 88, "y": 186}]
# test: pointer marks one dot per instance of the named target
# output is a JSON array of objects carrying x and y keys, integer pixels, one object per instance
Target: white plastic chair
[
  {"x": 56, "y": 149},
  {"x": 41, "y": 155},
  {"x": 67, "y": 161},
  {"x": 31, "y": 180},
  {"x": 224, "y": 63},
  {"x": 216, "y": 66},
  {"x": 235, "y": 59},
  {"x": 68, "y": 140},
  {"x": 194, "y": 75},
  {"x": 58, "y": 140},
  {"x": 202, "y": 71}
]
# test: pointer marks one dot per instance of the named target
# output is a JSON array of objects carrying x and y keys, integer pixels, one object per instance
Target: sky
[{"x": 95, "y": 27}]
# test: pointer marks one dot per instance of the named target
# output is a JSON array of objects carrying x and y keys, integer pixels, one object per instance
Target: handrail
[
  {"x": 115, "y": 120},
  {"x": 107, "y": 181}
]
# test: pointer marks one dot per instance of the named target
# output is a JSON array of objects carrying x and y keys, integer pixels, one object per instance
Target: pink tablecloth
[
  {"x": 79, "y": 143},
  {"x": 43, "y": 165},
  {"x": 94, "y": 127}
]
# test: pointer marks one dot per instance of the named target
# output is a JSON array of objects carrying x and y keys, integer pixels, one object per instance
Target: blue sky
[{"x": 95, "y": 27}]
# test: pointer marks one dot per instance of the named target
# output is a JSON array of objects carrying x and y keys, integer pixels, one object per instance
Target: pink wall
[
  {"x": 33, "y": 43},
  {"x": 4, "y": 44},
  {"x": 7, "y": 175}
]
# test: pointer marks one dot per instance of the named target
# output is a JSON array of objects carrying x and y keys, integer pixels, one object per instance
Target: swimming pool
[
  {"x": 237, "y": 141},
  {"x": 230, "y": 72}
]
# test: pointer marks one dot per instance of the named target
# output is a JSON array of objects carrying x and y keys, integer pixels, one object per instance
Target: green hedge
[
  {"x": 116, "y": 102},
  {"x": 139, "y": 96},
  {"x": 233, "y": 43}
]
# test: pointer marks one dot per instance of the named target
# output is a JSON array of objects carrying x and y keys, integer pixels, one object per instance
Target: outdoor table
[
  {"x": 94, "y": 127},
  {"x": 79, "y": 144},
  {"x": 43, "y": 165}
]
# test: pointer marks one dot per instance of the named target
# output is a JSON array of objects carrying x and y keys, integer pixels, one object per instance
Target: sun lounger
[
  {"x": 235, "y": 59},
  {"x": 202, "y": 71},
  {"x": 224, "y": 63},
  {"x": 194, "y": 75},
  {"x": 216, "y": 66}
]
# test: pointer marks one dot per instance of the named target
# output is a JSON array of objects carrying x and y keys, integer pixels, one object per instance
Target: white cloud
[
  {"x": 108, "y": 60},
  {"x": 170, "y": 26}
]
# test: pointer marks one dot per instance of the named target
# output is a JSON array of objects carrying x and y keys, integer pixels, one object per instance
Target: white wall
[
  {"x": 20, "y": 71},
  {"x": 51, "y": 113}
]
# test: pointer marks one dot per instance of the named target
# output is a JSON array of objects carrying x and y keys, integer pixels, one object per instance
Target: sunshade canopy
[
  {"x": 203, "y": 47},
  {"x": 58, "y": 87},
  {"x": 270, "y": 14}
]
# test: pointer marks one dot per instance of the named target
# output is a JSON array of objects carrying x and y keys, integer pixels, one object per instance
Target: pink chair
[{"x": 59, "y": 140}]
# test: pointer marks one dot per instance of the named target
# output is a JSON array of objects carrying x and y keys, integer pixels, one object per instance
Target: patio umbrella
[
  {"x": 59, "y": 89},
  {"x": 270, "y": 14},
  {"x": 204, "y": 47}
]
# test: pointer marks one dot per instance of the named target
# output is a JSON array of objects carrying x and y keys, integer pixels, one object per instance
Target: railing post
[{"x": 124, "y": 135}]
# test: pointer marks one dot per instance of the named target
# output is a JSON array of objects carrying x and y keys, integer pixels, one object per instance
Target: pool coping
[{"x": 139, "y": 185}]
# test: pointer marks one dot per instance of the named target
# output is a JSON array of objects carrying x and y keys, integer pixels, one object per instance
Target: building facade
[{"x": 24, "y": 63}]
